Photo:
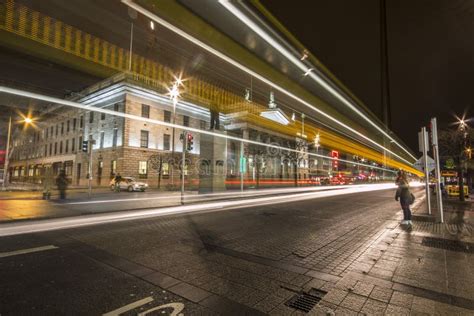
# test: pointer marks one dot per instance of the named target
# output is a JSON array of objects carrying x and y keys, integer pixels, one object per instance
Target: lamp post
[
  {"x": 7, "y": 154},
  {"x": 27, "y": 120},
  {"x": 174, "y": 94}
]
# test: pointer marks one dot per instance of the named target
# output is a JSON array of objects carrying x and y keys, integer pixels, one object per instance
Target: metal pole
[
  {"x": 241, "y": 166},
  {"x": 173, "y": 140},
  {"x": 425, "y": 163},
  {"x": 183, "y": 163},
  {"x": 7, "y": 154},
  {"x": 90, "y": 144},
  {"x": 439, "y": 199},
  {"x": 131, "y": 48}
]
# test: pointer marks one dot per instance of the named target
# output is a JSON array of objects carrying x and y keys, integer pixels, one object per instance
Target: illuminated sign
[{"x": 335, "y": 156}]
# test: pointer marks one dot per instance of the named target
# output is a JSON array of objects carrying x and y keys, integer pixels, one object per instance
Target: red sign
[{"x": 335, "y": 156}]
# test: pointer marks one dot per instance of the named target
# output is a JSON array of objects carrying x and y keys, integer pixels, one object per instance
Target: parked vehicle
[{"x": 129, "y": 184}]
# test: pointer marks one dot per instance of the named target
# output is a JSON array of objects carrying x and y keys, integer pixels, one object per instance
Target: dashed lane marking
[{"x": 25, "y": 251}]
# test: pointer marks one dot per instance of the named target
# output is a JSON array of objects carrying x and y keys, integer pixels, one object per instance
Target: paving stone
[
  {"x": 161, "y": 280},
  {"x": 373, "y": 307},
  {"x": 381, "y": 294},
  {"x": 268, "y": 303},
  {"x": 394, "y": 310},
  {"x": 315, "y": 284},
  {"x": 353, "y": 302},
  {"x": 189, "y": 292},
  {"x": 363, "y": 288},
  {"x": 401, "y": 299},
  {"x": 281, "y": 310},
  {"x": 335, "y": 296}
]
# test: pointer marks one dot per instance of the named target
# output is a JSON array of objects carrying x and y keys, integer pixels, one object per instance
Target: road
[{"x": 247, "y": 260}]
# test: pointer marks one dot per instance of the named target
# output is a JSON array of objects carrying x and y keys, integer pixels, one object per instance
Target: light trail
[
  {"x": 81, "y": 106},
  {"x": 306, "y": 70},
  {"x": 220, "y": 195},
  {"x": 75, "y": 222},
  {"x": 215, "y": 52}
]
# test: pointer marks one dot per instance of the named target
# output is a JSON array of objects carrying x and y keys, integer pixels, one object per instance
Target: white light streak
[
  {"x": 243, "y": 18},
  {"x": 153, "y": 121},
  {"x": 261, "y": 78},
  {"x": 18, "y": 228}
]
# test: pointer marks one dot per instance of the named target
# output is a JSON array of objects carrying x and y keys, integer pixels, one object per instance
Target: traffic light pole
[
  {"x": 90, "y": 145},
  {"x": 183, "y": 163}
]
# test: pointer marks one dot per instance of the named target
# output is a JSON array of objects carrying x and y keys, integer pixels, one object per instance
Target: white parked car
[{"x": 129, "y": 184}]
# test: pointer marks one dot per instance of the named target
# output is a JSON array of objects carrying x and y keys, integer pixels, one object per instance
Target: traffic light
[
  {"x": 190, "y": 142},
  {"x": 85, "y": 146}
]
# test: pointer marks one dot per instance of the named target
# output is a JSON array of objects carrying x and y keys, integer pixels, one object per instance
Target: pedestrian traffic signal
[
  {"x": 85, "y": 146},
  {"x": 190, "y": 142}
]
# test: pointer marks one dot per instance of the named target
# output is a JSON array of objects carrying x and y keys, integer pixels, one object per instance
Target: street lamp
[
  {"x": 174, "y": 94},
  {"x": 27, "y": 120}
]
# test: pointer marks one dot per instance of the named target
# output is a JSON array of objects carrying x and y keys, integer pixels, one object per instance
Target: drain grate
[
  {"x": 448, "y": 244},
  {"x": 305, "y": 301}
]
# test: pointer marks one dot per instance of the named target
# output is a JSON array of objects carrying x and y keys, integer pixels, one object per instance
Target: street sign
[
  {"x": 419, "y": 164},
  {"x": 422, "y": 141}
]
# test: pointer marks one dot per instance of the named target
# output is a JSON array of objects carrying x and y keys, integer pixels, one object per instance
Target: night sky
[{"x": 430, "y": 51}]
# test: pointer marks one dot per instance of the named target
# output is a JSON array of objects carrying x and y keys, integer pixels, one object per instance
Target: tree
[{"x": 453, "y": 148}]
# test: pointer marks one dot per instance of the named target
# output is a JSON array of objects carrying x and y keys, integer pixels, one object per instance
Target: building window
[
  {"x": 116, "y": 107},
  {"x": 165, "y": 170},
  {"x": 62, "y": 128},
  {"x": 57, "y": 128},
  {"x": 67, "y": 146},
  {"x": 102, "y": 116},
  {"x": 102, "y": 134},
  {"x": 113, "y": 167},
  {"x": 114, "y": 139},
  {"x": 144, "y": 139},
  {"x": 143, "y": 169},
  {"x": 166, "y": 142},
  {"x": 81, "y": 121},
  {"x": 91, "y": 117},
  {"x": 185, "y": 120},
  {"x": 68, "y": 126},
  {"x": 145, "y": 111},
  {"x": 74, "y": 122},
  {"x": 47, "y": 133},
  {"x": 79, "y": 146},
  {"x": 55, "y": 148},
  {"x": 73, "y": 145},
  {"x": 60, "y": 147},
  {"x": 50, "y": 149},
  {"x": 167, "y": 116},
  {"x": 45, "y": 150}
]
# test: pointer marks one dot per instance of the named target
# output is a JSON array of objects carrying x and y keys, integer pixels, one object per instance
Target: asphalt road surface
[{"x": 240, "y": 261}]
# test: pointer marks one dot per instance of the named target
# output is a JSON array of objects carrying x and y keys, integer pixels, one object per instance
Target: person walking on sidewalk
[
  {"x": 117, "y": 180},
  {"x": 61, "y": 182},
  {"x": 405, "y": 196}
]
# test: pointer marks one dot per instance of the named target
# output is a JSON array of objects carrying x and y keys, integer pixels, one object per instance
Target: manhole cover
[
  {"x": 305, "y": 301},
  {"x": 448, "y": 244}
]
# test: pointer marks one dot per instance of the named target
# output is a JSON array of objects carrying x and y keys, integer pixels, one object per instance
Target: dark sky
[{"x": 430, "y": 51}]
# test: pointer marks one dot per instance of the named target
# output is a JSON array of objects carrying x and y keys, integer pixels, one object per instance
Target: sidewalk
[{"x": 426, "y": 269}]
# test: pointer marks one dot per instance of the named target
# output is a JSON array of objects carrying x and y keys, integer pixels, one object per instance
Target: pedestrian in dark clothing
[
  {"x": 61, "y": 182},
  {"x": 117, "y": 180},
  {"x": 406, "y": 198}
]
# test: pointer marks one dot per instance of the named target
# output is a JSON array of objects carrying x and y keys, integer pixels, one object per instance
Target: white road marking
[
  {"x": 25, "y": 251},
  {"x": 177, "y": 309},
  {"x": 129, "y": 307}
]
